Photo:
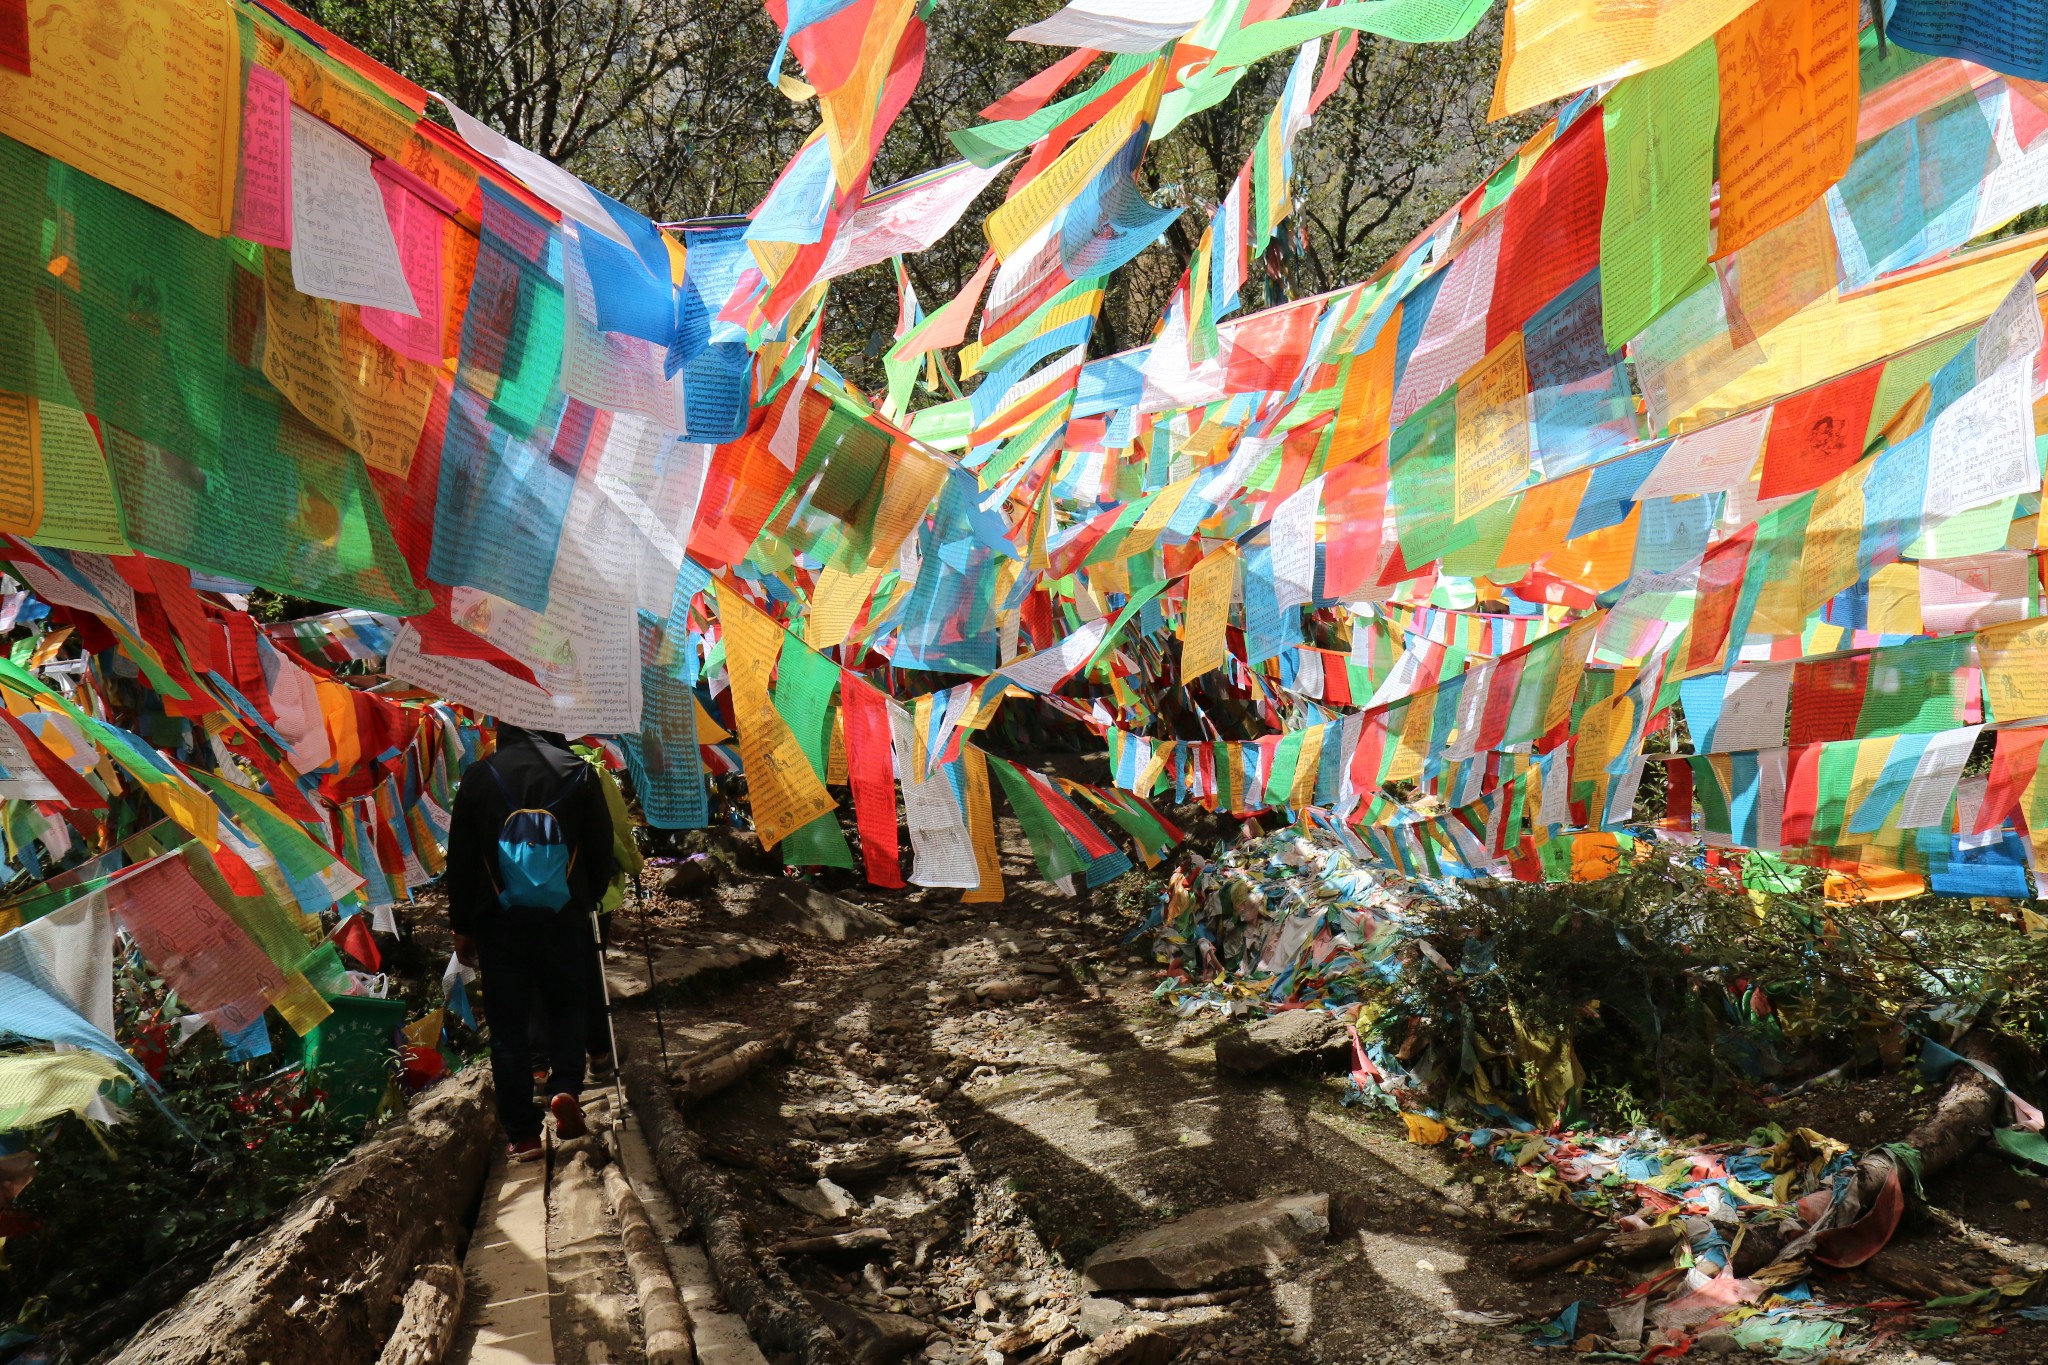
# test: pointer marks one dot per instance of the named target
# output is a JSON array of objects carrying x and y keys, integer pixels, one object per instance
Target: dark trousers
[
  {"x": 598, "y": 1042},
  {"x": 535, "y": 966}
]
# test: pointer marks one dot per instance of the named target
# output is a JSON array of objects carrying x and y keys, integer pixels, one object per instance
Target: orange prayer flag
[
  {"x": 1543, "y": 517},
  {"x": 1789, "y": 85}
]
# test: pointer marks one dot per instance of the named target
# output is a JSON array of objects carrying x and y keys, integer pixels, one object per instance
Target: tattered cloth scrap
[
  {"x": 36, "y": 1087},
  {"x": 1425, "y": 1131},
  {"x": 1704, "y": 1299}
]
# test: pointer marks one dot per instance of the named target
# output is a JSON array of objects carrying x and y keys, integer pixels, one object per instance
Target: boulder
[
  {"x": 707, "y": 960},
  {"x": 1138, "y": 1343},
  {"x": 1293, "y": 1039},
  {"x": 870, "y": 1338},
  {"x": 1211, "y": 1245},
  {"x": 823, "y": 1200},
  {"x": 691, "y": 876},
  {"x": 1099, "y": 1317},
  {"x": 818, "y": 913}
]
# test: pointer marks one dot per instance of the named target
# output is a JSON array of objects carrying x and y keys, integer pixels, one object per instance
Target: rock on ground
[
  {"x": 819, "y": 914},
  {"x": 697, "y": 965},
  {"x": 1293, "y": 1038},
  {"x": 1099, "y": 1317},
  {"x": 1203, "y": 1248},
  {"x": 1137, "y": 1344},
  {"x": 871, "y": 1338}
]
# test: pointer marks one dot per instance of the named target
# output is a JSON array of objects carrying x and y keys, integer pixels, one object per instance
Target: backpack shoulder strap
[
  {"x": 571, "y": 786},
  {"x": 499, "y": 778}
]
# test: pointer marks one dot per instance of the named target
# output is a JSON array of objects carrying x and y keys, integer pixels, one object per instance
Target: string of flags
[{"x": 1702, "y": 432}]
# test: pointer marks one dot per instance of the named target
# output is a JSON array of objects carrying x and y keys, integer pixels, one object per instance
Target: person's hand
[{"x": 465, "y": 950}]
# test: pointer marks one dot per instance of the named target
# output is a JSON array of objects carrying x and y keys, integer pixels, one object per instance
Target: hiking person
[
  {"x": 529, "y": 858},
  {"x": 627, "y": 860}
]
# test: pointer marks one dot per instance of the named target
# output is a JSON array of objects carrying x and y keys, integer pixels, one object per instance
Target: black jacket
[{"x": 537, "y": 769}]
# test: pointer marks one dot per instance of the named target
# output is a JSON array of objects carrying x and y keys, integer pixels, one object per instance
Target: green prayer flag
[
  {"x": 804, "y": 686},
  {"x": 1406, "y": 21},
  {"x": 1050, "y": 844},
  {"x": 2023, "y": 1143},
  {"x": 1654, "y": 239}
]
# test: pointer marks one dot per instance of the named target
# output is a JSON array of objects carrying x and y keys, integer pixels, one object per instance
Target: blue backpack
[{"x": 534, "y": 857}]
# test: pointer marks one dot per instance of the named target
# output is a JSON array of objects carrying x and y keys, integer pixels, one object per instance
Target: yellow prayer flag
[
  {"x": 1306, "y": 765},
  {"x": 146, "y": 97},
  {"x": 835, "y": 602},
  {"x": 1154, "y": 770},
  {"x": 21, "y": 465},
  {"x": 1055, "y": 187},
  {"x": 782, "y": 787},
  {"x": 299, "y": 1003},
  {"x": 1203, "y": 643},
  {"x": 981, "y": 822},
  {"x": 1554, "y": 48},
  {"x": 1834, "y": 538},
  {"x": 1895, "y": 600},
  {"x": 1411, "y": 741},
  {"x": 340, "y": 378},
  {"x": 49, "y": 647},
  {"x": 1425, "y": 1131},
  {"x": 709, "y": 731},
  {"x": 1153, "y": 520},
  {"x": 1835, "y": 335},
  {"x": 2015, "y": 661},
  {"x": 1871, "y": 755},
  {"x": 835, "y": 750},
  {"x": 1491, "y": 454},
  {"x": 847, "y": 111}
]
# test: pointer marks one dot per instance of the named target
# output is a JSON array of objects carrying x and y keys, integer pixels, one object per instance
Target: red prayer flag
[
  {"x": 1802, "y": 795},
  {"x": 1678, "y": 796},
  {"x": 2012, "y": 768},
  {"x": 1333, "y": 71},
  {"x": 216, "y": 968},
  {"x": 1817, "y": 434},
  {"x": 354, "y": 938},
  {"x": 870, "y": 773},
  {"x": 1032, "y": 96},
  {"x": 1551, "y": 235},
  {"x": 14, "y": 36},
  {"x": 1500, "y": 700},
  {"x": 1720, "y": 591},
  {"x": 1827, "y": 697}
]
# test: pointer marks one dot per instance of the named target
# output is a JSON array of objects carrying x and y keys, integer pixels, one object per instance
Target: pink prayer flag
[
  {"x": 263, "y": 191},
  {"x": 194, "y": 945},
  {"x": 416, "y": 226}
]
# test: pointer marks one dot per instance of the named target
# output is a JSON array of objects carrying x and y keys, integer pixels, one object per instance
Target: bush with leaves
[
  {"x": 110, "y": 1205},
  {"x": 1682, "y": 991}
]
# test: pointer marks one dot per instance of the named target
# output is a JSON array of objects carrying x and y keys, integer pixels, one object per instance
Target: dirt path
[
  {"x": 995, "y": 1089},
  {"x": 1084, "y": 1113}
]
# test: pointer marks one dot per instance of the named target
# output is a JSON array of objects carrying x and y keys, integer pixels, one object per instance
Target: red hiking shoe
[{"x": 568, "y": 1112}]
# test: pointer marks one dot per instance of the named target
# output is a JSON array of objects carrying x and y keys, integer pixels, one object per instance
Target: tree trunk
[
  {"x": 322, "y": 1283},
  {"x": 664, "y": 1322},
  {"x": 1959, "y": 1124},
  {"x": 1528, "y": 1267},
  {"x": 428, "y": 1319},
  {"x": 753, "y": 1283},
  {"x": 708, "y": 1078}
]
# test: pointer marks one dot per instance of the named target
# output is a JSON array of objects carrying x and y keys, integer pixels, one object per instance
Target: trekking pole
[
  {"x": 611, "y": 1030},
  {"x": 653, "y": 989}
]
